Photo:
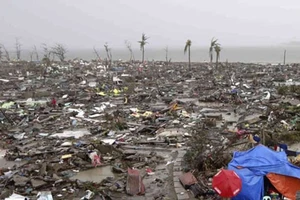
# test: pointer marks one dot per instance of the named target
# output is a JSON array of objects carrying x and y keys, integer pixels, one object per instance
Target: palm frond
[
  {"x": 218, "y": 49},
  {"x": 143, "y": 41},
  {"x": 187, "y": 45},
  {"x": 144, "y": 37},
  {"x": 213, "y": 41},
  {"x": 185, "y": 49}
]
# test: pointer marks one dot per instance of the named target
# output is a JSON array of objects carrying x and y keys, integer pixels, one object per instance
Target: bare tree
[
  {"x": 108, "y": 54},
  {"x": 7, "y": 56},
  {"x": 46, "y": 59},
  {"x": 35, "y": 52},
  {"x": 31, "y": 55},
  {"x": 128, "y": 45},
  {"x": 18, "y": 48},
  {"x": 60, "y": 51},
  {"x": 53, "y": 56},
  {"x": 168, "y": 60},
  {"x": 167, "y": 51},
  {"x": 47, "y": 52},
  {"x": 97, "y": 53},
  {"x": 6, "y": 53}
]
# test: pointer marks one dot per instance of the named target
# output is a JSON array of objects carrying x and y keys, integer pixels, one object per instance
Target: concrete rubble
[{"x": 79, "y": 130}]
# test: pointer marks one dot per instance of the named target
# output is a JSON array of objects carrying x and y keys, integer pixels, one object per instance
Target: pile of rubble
[{"x": 80, "y": 130}]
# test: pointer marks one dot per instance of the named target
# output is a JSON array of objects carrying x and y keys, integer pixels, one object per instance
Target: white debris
[
  {"x": 108, "y": 141},
  {"x": 72, "y": 133},
  {"x": 16, "y": 197},
  {"x": 92, "y": 84}
]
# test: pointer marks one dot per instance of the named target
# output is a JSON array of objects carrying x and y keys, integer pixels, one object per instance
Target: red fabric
[
  {"x": 53, "y": 102},
  {"x": 286, "y": 185},
  {"x": 227, "y": 183},
  {"x": 241, "y": 132},
  {"x": 96, "y": 161},
  {"x": 148, "y": 170},
  {"x": 135, "y": 183}
]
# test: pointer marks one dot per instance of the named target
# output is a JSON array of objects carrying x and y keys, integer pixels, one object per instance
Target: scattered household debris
[{"x": 84, "y": 130}]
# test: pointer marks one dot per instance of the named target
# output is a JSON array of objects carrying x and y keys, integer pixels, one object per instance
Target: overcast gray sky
[{"x": 86, "y": 23}]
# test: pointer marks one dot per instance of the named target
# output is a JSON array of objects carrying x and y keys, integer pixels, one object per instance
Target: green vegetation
[{"x": 288, "y": 89}]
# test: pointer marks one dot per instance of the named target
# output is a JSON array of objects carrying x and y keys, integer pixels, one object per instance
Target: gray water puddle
[
  {"x": 94, "y": 175},
  {"x": 72, "y": 133},
  {"x": 288, "y": 83}
]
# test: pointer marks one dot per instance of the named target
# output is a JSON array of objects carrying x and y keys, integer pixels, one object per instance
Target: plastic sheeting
[
  {"x": 286, "y": 185},
  {"x": 16, "y": 197},
  {"x": 254, "y": 164}
]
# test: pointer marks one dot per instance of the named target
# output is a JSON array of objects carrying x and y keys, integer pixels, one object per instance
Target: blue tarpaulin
[
  {"x": 254, "y": 164},
  {"x": 234, "y": 91}
]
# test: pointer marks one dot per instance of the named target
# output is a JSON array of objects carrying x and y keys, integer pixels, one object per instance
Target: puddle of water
[
  {"x": 186, "y": 100},
  {"x": 30, "y": 101},
  {"x": 230, "y": 118},
  {"x": 208, "y": 104},
  {"x": 72, "y": 133},
  {"x": 94, "y": 175},
  {"x": 203, "y": 110},
  {"x": 171, "y": 132},
  {"x": 252, "y": 118},
  {"x": 158, "y": 106},
  {"x": 287, "y": 83},
  {"x": 118, "y": 102}
]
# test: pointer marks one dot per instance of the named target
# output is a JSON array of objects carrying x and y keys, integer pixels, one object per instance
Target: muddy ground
[{"x": 161, "y": 119}]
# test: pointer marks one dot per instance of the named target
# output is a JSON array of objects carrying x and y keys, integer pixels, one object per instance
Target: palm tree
[
  {"x": 143, "y": 42},
  {"x": 187, "y": 48},
  {"x": 217, "y": 50},
  {"x": 213, "y": 43}
]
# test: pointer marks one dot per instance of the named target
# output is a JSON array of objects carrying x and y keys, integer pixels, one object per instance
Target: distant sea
[{"x": 272, "y": 55}]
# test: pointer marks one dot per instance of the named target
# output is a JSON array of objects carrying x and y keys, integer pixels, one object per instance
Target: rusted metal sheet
[
  {"x": 187, "y": 179},
  {"x": 135, "y": 184}
]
